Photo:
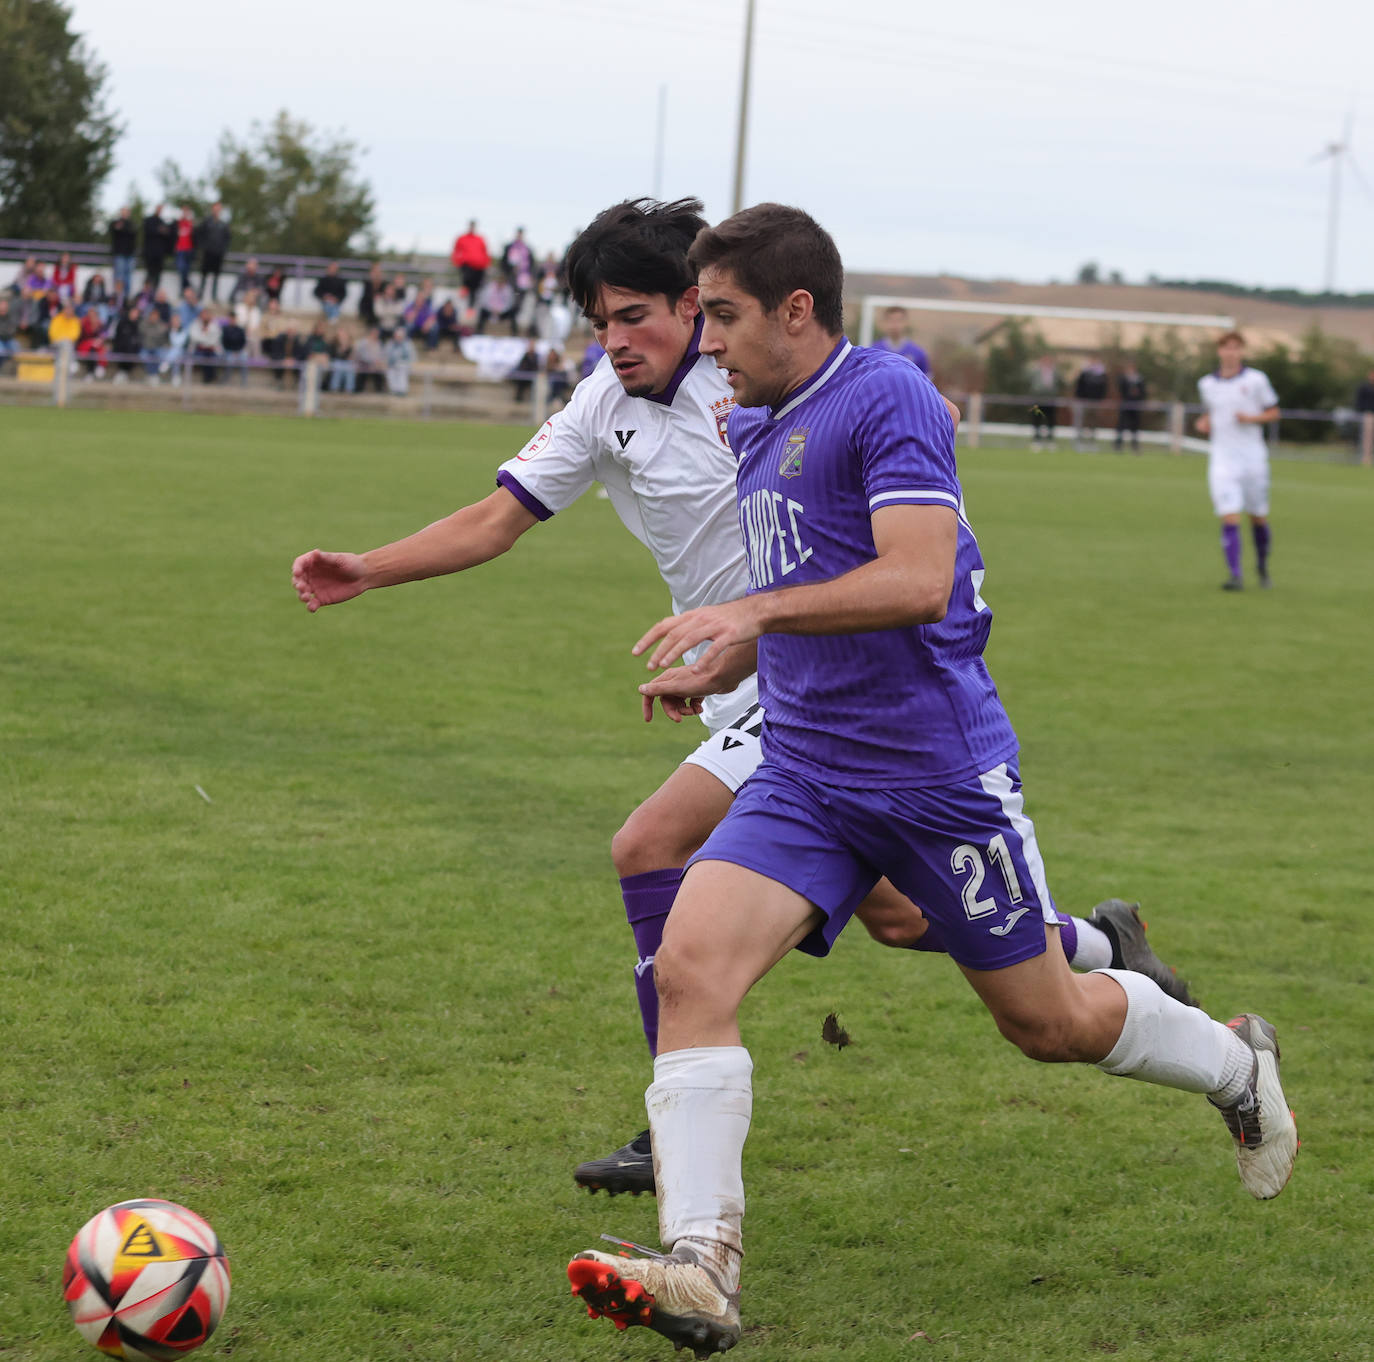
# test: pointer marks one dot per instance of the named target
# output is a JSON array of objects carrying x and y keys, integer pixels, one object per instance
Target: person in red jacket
[
  {"x": 184, "y": 248},
  {"x": 472, "y": 260}
]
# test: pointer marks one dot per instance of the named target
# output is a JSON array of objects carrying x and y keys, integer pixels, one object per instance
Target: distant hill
[{"x": 1266, "y": 319}]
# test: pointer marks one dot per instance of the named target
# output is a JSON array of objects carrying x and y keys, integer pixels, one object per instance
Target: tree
[
  {"x": 288, "y": 190},
  {"x": 56, "y": 137},
  {"x": 1089, "y": 273},
  {"x": 1009, "y": 357}
]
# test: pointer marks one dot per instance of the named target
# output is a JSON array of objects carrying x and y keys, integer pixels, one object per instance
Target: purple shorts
[{"x": 966, "y": 853}]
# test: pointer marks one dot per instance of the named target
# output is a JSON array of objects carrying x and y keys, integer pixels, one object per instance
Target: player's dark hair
[
  {"x": 1231, "y": 336},
  {"x": 772, "y": 250},
  {"x": 640, "y": 245}
]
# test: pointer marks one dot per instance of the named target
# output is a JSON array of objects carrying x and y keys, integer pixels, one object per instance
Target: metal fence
[{"x": 989, "y": 419}]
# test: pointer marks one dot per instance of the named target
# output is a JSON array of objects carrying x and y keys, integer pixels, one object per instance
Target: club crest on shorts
[
  {"x": 791, "y": 465},
  {"x": 722, "y": 410}
]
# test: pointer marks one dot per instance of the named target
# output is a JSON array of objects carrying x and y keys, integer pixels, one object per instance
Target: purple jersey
[
  {"x": 894, "y": 707},
  {"x": 908, "y": 349}
]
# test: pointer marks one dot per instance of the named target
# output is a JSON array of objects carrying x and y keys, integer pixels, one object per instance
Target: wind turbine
[{"x": 1338, "y": 153}]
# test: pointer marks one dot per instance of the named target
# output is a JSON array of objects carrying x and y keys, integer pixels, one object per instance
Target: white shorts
[
  {"x": 731, "y": 753},
  {"x": 1237, "y": 487}
]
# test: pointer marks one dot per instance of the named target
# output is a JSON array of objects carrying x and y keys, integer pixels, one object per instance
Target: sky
[{"x": 989, "y": 138}]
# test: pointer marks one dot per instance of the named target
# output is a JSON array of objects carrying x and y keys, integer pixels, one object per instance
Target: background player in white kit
[
  {"x": 1240, "y": 402},
  {"x": 649, "y": 425}
]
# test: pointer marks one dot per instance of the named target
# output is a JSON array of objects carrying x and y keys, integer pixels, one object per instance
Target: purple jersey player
[
  {"x": 886, "y": 751},
  {"x": 896, "y": 339}
]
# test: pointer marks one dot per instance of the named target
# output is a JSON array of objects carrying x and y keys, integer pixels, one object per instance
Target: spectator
[
  {"x": 1044, "y": 386},
  {"x": 399, "y": 287},
  {"x": 496, "y": 300},
  {"x": 162, "y": 303},
  {"x": 1364, "y": 394},
  {"x": 64, "y": 276},
  {"x": 213, "y": 236},
  {"x": 1089, "y": 389},
  {"x": 248, "y": 315},
  {"x": 64, "y": 325},
  {"x": 234, "y": 339},
  {"x": 249, "y": 280},
  {"x": 178, "y": 338},
  {"x": 546, "y": 298},
  {"x": 279, "y": 342},
  {"x": 558, "y": 375},
  {"x": 472, "y": 260},
  {"x": 591, "y": 357},
  {"x": 343, "y": 372},
  {"x": 203, "y": 341},
  {"x": 41, "y": 310},
  {"x": 372, "y": 286},
  {"x": 400, "y": 355},
  {"x": 189, "y": 306},
  {"x": 317, "y": 342},
  {"x": 387, "y": 308},
  {"x": 128, "y": 343},
  {"x": 154, "y": 342},
  {"x": 96, "y": 297},
  {"x": 331, "y": 289},
  {"x": 369, "y": 360},
  {"x": 896, "y": 338},
  {"x": 158, "y": 236},
  {"x": 123, "y": 245},
  {"x": 184, "y": 236},
  {"x": 1130, "y": 390},
  {"x": 9, "y": 329},
  {"x": 1364, "y": 405},
  {"x": 273, "y": 285},
  {"x": 523, "y": 374},
  {"x": 517, "y": 263},
  {"x": 419, "y": 316},
  {"x": 92, "y": 348},
  {"x": 447, "y": 324}
]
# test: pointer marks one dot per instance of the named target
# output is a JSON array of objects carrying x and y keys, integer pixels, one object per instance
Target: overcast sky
[{"x": 990, "y": 137}]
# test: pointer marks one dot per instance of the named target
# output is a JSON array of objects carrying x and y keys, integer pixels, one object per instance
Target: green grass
[{"x": 366, "y": 1008}]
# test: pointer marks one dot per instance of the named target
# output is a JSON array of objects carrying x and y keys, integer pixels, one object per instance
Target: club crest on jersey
[
  {"x": 791, "y": 465},
  {"x": 722, "y": 410},
  {"x": 539, "y": 444}
]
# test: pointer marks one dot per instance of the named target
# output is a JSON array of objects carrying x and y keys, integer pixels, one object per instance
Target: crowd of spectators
[{"x": 171, "y": 326}]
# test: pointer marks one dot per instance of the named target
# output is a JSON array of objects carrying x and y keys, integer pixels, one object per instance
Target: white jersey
[
  {"x": 1249, "y": 392},
  {"x": 667, "y": 468}
]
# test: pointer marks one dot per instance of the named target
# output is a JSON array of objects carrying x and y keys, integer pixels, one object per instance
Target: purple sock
[
  {"x": 1261, "y": 535},
  {"x": 1230, "y": 546},
  {"x": 648, "y": 897},
  {"x": 1068, "y": 935}
]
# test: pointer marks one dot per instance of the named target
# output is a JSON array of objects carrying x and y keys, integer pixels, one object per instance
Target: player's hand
[
  {"x": 1203, "y": 424},
  {"x": 1243, "y": 418},
  {"x": 328, "y": 578},
  {"x": 723, "y": 625},
  {"x": 678, "y": 691}
]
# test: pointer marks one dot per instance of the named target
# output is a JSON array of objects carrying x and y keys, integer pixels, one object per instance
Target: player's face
[
  {"x": 645, "y": 335},
  {"x": 894, "y": 326},
  {"x": 749, "y": 344},
  {"x": 1232, "y": 356}
]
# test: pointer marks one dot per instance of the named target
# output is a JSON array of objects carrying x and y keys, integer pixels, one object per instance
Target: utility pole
[
  {"x": 658, "y": 140},
  {"x": 1333, "y": 216},
  {"x": 743, "y": 137}
]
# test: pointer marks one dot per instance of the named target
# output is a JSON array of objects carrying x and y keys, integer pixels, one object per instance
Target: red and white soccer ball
[{"x": 146, "y": 1280}]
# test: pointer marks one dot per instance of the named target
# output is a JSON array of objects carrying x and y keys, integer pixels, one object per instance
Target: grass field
[{"x": 365, "y": 1006}]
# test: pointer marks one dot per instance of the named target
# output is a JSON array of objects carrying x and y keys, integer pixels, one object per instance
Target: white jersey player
[
  {"x": 1239, "y": 402},
  {"x": 649, "y": 425}
]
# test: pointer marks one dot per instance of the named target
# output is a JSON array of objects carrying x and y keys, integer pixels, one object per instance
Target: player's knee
[
  {"x": 895, "y": 928},
  {"x": 649, "y": 841},
  {"x": 1046, "y": 1039}
]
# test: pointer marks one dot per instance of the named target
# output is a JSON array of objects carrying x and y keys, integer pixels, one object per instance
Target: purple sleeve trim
[{"x": 526, "y": 498}]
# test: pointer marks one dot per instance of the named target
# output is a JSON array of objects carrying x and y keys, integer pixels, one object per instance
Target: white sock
[
  {"x": 1167, "y": 1043},
  {"x": 1094, "y": 949},
  {"x": 699, "y": 1107}
]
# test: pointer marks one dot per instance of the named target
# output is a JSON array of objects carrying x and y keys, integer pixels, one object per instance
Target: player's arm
[
  {"x": 1263, "y": 418},
  {"x": 908, "y": 583},
  {"x": 476, "y": 534}
]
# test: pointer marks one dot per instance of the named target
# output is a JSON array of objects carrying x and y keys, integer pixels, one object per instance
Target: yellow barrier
[{"x": 34, "y": 368}]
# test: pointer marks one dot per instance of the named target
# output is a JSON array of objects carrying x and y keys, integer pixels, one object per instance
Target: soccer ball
[{"x": 146, "y": 1280}]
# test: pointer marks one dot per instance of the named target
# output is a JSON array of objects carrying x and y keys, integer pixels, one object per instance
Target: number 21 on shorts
[{"x": 970, "y": 860}]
